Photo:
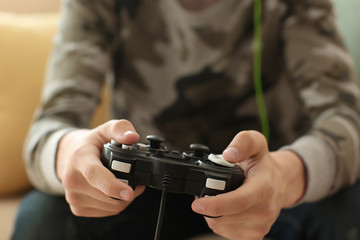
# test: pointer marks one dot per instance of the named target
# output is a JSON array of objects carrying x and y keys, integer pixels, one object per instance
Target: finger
[
  {"x": 245, "y": 145},
  {"x": 234, "y": 202},
  {"x": 91, "y": 212},
  {"x": 121, "y": 131},
  {"x": 246, "y": 230},
  {"x": 102, "y": 179},
  {"x": 76, "y": 199},
  {"x": 99, "y": 200},
  {"x": 139, "y": 190},
  {"x": 258, "y": 214},
  {"x": 79, "y": 185}
]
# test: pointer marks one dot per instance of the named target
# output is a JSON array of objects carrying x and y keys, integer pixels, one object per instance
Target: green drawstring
[{"x": 257, "y": 68}]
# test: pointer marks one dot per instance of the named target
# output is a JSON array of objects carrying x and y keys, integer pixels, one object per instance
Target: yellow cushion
[
  {"x": 24, "y": 46},
  {"x": 25, "y": 43}
]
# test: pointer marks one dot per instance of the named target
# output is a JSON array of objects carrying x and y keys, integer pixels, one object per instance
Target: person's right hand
[{"x": 88, "y": 185}]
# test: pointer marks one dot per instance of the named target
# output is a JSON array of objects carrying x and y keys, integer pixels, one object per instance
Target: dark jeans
[
  {"x": 45, "y": 217},
  {"x": 42, "y": 216},
  {"x": 334, "y": 218}
]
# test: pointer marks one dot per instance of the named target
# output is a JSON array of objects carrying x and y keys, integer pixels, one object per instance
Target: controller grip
[
  {"x": 199, "y": 178},
  {"x": 126, "y": 167}
]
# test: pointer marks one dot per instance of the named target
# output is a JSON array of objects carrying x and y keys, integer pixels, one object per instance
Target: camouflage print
[{"x": 188, "y": 77}]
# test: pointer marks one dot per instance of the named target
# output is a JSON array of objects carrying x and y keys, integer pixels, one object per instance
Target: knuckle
[
  {"x": 71, "y": 198},
  {"x": 89, "y": 173},
  {"x": 113, "y": 125},
  {"x": 253, "y": 138},
  {"x": 123, "y": 121},
  {"x": 247, "y": 134},
  {"x": 70, "y": 180},
  {"x": 214, "y": 211},
  {"x": 211, "y": 223},
  {"x": 119, "y": 209},
  {"x": 215, "y": 226},
  {"x": 109, "y": 126},
  {"x": 244, "y": 202},
  {"x": 110, "y": 123},
  {"x": 265, "y": 230},
  {"x": 260, "y": 231},
  {"x": 244, "y": 238},
  {"x": 253, "y": 234},
  {"x": 119, "y": 124},
  {"x": 78, "y": 154},
  {"x": 219, "y": 230},
  {"x": 267, "y": 190},
  {"x": 270, "y": 212},
  {"x": 92, "y": 176},
  {"x": 247, "y": 137},
  {"x": 78, "y": 211},
  {"x": 257, "y": 135},
  {"x": 105, "y": 187}
]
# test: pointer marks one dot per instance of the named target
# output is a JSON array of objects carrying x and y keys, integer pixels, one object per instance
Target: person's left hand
[{"x": 274, "y": 180}]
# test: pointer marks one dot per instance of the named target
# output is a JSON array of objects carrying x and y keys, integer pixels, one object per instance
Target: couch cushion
[
  {"x": 25, "y": 43},
  {"x": 24, "y": 46}
]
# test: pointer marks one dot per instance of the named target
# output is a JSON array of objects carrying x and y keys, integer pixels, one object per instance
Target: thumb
[
  {"x": 121, "y": 131},
  {"x": 245, "y": 145}
]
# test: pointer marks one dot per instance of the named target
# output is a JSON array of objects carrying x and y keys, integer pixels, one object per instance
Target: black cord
[{"x": 165, "y": 183}]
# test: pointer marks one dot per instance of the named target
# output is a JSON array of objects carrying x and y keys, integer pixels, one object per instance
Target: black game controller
[{"x": 194, "y": 172}]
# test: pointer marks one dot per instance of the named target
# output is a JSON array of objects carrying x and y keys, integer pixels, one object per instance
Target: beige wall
[{"x": 29, "y": 6}]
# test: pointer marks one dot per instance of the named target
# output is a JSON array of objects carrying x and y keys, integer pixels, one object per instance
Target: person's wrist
[{"x": 293, "y": 175}]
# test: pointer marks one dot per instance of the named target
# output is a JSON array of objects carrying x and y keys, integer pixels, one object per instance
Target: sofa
[
  {"x": 23, "y": 49},
  {"x": 25, "y": 43}
]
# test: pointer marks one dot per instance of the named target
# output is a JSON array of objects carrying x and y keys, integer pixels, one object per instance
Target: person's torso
[{"x": 188, "y": 76}]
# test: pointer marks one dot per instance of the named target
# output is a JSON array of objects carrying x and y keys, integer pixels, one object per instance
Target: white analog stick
[{"x": 218, "y": 159}]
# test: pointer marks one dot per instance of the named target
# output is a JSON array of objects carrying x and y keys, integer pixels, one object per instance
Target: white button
[
  {"x": 215, "y": 184},
  {"x": 218, "y": 159},
  {"x": 121, "y": 166},
  {"x": 142, "y": 146},
  {"x": 129, "y": 147}
]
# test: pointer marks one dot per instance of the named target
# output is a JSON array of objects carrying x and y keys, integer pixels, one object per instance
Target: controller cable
[{"x": 165, "y": 184}]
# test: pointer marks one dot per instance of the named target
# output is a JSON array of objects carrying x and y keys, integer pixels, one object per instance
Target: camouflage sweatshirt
[{"x": 188, "y": 76}]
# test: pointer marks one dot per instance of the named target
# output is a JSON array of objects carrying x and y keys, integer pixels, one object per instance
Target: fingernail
[
  {"x": 232, "y": 154},
  {"x": 199, "y": 208},
  {"x": 128, "y": 133},
  {"x": 125, "y": 195}
]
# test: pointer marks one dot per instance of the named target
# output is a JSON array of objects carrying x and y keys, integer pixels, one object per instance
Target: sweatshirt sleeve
[
  {"x": 323, "y": 74},
  {"x": 75, "y": 75}
]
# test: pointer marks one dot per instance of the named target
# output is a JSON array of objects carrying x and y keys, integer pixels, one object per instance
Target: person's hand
[
  {"x": 88, "y": 185},
  {"x": 274, "y": 180}
]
